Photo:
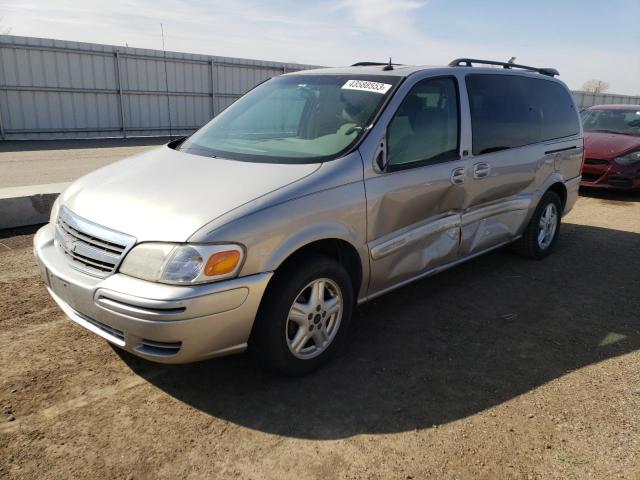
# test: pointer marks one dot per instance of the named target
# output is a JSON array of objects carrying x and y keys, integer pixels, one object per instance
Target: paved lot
[
  {"x": 500, "y": 368},
  {"x": 43, "y": 162}
]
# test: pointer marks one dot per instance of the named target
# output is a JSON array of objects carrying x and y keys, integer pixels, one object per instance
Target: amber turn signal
[{"x": 222, "y": 263}]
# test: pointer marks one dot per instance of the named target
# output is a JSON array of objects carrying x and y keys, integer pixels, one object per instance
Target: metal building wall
[
  {"x": 61, "y": 89},
  {"x": 586, "y": 99}
]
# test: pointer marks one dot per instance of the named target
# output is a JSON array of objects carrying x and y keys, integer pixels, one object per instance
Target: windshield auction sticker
[{"x": 366, "y": 86}]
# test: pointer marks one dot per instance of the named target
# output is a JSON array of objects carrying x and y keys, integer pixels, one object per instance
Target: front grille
[
  {"x": 595, "y": 161},
  {"x": 91, "y": 247},
  {"x": 619, "y": 181},
  {"x": 590, "y": 177}
]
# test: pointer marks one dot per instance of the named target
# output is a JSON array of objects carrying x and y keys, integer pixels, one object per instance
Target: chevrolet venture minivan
[{"x": 314, "y": 192}]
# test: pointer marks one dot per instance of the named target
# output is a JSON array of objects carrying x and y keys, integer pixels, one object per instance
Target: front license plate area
[
  {"x": 63, "y": 289},
  {"x": 59, "y": 286}
]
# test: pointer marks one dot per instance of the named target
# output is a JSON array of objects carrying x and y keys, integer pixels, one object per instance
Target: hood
[
  {"x": 609, "y": 145},
  {"x": 167, "y": 195}
]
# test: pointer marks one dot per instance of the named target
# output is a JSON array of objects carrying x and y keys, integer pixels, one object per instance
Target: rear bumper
[{"x": 163, "y": 323}]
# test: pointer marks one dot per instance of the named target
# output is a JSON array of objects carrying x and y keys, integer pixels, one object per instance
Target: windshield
[
  {"x": 626, "y": 122},
  {"x": 294, "y": 119}
]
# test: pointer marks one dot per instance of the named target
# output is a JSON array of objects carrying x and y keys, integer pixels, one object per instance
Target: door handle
[
  {"x": 457, "y": 176},
  {"x": 481, "y": 170}
]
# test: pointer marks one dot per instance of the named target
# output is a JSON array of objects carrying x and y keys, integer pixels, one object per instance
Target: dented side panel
[
  {"x": 413, "y": 222},
  {"x": 406, "y": 253}
]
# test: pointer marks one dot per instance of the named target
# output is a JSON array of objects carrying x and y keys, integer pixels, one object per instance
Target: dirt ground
[{"x": 500, "y": 368}]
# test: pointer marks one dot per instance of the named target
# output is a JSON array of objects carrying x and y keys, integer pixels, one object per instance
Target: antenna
[
  {"x": 388, "y": 66},
  {"x": 512, "y": 60},
  {"x": 166, "y": 82}
]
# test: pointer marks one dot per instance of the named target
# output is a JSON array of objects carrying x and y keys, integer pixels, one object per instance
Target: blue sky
[{"x": 583, "y": 39}]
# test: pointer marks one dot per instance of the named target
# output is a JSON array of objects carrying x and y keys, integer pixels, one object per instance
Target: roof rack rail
[
  {"x": 468, "y": 62},
  {"x": 373, "y": 64}
]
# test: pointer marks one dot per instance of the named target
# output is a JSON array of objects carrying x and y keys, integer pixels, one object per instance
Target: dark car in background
[{"x": 612, "y": 147}]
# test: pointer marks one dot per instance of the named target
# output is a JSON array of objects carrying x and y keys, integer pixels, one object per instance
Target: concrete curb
[{"x": 30, "y": 205}]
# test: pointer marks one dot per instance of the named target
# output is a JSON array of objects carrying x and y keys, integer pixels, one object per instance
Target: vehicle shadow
[
  {"x": 611, "y": 195},
  {"x": 442, "y": 348}
]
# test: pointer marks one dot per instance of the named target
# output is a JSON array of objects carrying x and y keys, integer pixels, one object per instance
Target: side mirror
[{"x": 381, "y": 157}]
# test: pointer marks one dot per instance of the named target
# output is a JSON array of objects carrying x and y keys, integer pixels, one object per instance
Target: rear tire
[
  {"x": 304, "y": 316},
  {"x": 542, "y": 232}
]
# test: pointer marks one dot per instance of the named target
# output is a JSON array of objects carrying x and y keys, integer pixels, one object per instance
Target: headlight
[
  {"x": 183, "y": 263},
  {"x": 629, "y": 158}
]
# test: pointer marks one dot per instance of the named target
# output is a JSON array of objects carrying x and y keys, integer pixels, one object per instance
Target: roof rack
[
  {"x": 468, "y": 62},
  {"x": 368, "y": 64},
  {"x": 374, "y": 64}
]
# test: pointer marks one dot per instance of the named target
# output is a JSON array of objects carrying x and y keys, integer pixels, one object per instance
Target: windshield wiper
[
  {"x": 493, "y": 149},
  {"x": 205, "y": 152}
]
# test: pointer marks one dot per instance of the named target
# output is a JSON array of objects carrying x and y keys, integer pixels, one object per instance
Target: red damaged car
[{"x": 612, "y": 147}]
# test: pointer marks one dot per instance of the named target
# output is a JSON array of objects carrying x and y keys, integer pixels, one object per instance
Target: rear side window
[{"x": 510, "y": 111}]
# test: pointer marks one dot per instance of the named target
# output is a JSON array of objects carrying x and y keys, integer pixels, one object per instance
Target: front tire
[
  {"x": 304, "y": 316},
  {"x": 543, "y": 229}
]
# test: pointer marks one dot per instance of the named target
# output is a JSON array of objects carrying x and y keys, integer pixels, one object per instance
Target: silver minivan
[{"x": 314, "y": 192}]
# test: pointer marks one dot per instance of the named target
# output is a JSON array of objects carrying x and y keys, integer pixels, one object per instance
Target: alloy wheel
[
  {"x": 547, "y": 226},
  {"x": 314, "y": 318}
]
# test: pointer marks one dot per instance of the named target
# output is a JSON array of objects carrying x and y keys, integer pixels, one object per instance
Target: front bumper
[
  {"x": 163, "y": 323},
  {"x": 609, "y": 175}
]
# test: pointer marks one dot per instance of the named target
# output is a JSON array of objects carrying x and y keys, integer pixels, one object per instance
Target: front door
[{"x": 414, "y": 205}]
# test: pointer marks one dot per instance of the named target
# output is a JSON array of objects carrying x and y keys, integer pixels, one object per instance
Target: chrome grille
[{"x": 91, "y": 247}]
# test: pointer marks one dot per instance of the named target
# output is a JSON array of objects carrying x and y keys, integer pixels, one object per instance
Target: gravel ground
[{"x": 500, "y": 368}]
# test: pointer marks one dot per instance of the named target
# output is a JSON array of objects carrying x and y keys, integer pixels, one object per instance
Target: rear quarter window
[{"x": 509, "y": 111}]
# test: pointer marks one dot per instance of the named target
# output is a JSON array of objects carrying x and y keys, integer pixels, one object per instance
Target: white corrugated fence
[
  {"x": 586, "y": 99},
  {"x": 61, "y": 89}
]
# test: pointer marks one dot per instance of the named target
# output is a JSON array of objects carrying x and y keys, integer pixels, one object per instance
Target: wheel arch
[
  {"x": 554, "y": 183},
  {"x": 559, "y": 189},
  {"x": 336, "y": 247},
  {"x": 339, "y": 249}
]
